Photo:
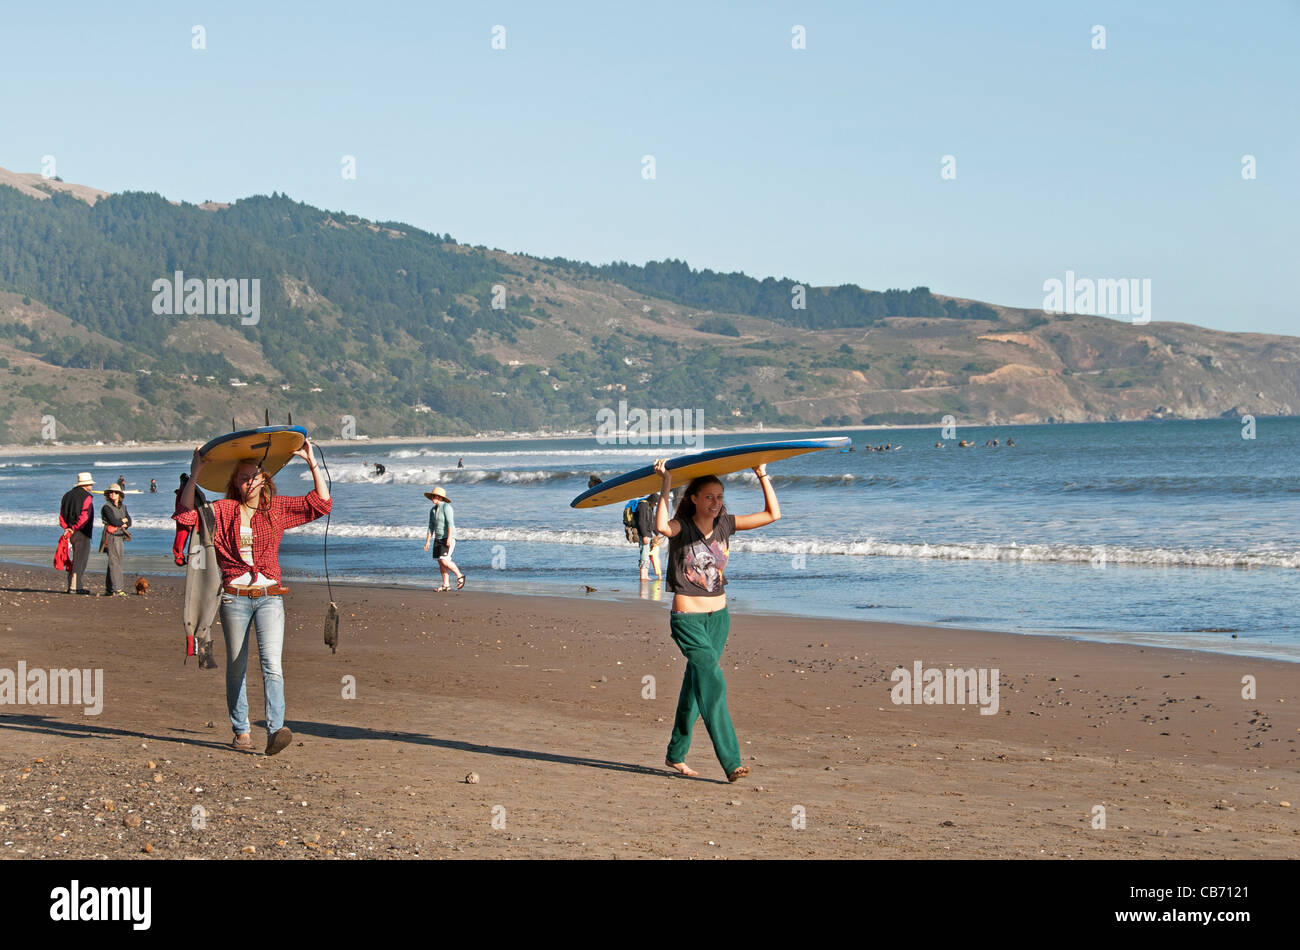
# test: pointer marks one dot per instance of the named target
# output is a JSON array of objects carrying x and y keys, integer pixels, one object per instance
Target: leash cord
[{"x": 329, "y": 482}]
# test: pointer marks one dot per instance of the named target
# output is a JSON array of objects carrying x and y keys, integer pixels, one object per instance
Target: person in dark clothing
[
  {"x": 153, "y": 487},
  {"x": 645, "y": 526},
  {"x": 117, "y": 522},
  {"x": 77, "y": 519}
]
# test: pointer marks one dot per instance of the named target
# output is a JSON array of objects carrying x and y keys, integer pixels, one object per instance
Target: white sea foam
[
  {"x": 358, "y": 473},
  {"x": 965, "y": 551},
  {"x": 26, "y": 519},
  {"x": 630, "y": 451},
  {"x": 1030, "y": 553},
  {"x": 363, "y": 473}
]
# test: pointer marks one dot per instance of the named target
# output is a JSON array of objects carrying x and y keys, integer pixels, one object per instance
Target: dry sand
[{"x": 542, "y": 698}]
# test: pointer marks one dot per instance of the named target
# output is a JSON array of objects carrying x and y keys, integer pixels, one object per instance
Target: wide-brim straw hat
[
  {"x": 83, "y": 478},
  {"x": 436, "y": 494},
  {"x": 114, "y": 489}
]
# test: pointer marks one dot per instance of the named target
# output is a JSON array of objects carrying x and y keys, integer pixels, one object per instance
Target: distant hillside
[{"x": 409, "y": 333}]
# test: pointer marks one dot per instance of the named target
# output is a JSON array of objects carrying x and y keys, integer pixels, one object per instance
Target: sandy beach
[{"x": 543, "y": 699}]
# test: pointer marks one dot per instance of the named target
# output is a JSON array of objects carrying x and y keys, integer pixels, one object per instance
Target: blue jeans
[{"x": 236, "y": 615}]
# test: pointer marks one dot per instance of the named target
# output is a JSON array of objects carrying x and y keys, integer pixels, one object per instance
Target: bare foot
[
  {"x": 737, "y": 774},
  {"x": 681, "y": 767}
]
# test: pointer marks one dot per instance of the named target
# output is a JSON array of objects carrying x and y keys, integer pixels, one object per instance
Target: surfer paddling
[
  {"x": 250, "y": 522},
  {"x": 699, "y": 537}
]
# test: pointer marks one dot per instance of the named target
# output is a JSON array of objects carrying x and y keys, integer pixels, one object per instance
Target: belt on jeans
[{"x": 256, "y": 591}]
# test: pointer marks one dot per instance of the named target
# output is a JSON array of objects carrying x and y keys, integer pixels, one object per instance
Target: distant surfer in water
[
  {"x": 699, "y": 542},
  {"x": 250, "y": 522}
]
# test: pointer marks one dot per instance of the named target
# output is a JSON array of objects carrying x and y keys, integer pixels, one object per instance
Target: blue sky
[{"x": 820, "y": 164}]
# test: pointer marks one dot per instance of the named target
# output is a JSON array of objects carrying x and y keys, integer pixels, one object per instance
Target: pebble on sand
[{"x": 471, "y": 778}]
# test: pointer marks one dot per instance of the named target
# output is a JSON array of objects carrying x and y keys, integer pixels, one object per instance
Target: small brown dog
[{"x": 142, "y": 586}]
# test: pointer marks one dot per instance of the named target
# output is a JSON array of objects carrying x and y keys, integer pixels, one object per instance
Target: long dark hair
[{"x": 685, "y": 515}]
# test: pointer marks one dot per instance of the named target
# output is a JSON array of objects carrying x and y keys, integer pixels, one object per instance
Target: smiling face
[{"x": 708, "y": 500}]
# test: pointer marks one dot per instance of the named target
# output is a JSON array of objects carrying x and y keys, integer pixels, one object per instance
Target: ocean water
[{"x": 1176, "y": 533}]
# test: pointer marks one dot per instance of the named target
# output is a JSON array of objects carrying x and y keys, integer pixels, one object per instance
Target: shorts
[{"x": 439, "y": 548}]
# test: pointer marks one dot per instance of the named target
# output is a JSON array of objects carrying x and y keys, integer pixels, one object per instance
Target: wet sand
[{"x": 543, "y": 699}]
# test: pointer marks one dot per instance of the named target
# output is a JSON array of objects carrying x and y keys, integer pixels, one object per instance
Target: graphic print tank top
[{"x": 697, "y": 567}]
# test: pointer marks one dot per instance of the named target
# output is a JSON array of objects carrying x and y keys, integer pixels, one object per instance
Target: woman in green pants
[{"x": 699, "y": 541}]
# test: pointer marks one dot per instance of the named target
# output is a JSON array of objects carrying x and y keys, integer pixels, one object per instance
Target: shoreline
[
  {"x": 90, "y": 448},
  {"x": 630, "y": 595},
  {"x": 552, "y": 704}
]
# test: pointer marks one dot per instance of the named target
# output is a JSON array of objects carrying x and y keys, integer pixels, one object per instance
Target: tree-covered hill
[{"x": 411, "y": 333}]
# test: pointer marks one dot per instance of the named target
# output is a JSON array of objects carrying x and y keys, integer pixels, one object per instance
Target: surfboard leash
[
  {"x": 329, "y": 482},
  {"x": 332, "y": 614}
]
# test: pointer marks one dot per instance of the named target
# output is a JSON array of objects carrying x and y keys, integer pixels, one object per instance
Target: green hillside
[{"x": 411, "y": 333}]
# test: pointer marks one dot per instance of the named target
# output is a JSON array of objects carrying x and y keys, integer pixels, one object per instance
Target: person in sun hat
[
  {"x": 117, "y": 524},
  {"x": 77, "y": 519},
  {"x": 442, "y": 532}
]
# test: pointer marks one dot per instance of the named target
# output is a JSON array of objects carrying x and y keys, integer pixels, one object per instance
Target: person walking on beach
[
  {"x": 698, "y": 548},
  {"x": 250, "y": 523},
  {"x": 117, "y": 522},
  {"x": 645, "y": 521},
  {"x": 77, "y": 519},
  {"x": 442, "y": 532}
]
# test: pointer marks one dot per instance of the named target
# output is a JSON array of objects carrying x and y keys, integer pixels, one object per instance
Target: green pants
[{"x": 701, "y": 638}]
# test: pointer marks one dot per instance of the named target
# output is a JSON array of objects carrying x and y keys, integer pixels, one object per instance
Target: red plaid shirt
[{"x": 287, "y": 511}]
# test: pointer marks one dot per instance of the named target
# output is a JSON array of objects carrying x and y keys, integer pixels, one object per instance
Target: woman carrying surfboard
[
  {"x": 698, "y": 548},
  {"x": 250, "y": 523}
]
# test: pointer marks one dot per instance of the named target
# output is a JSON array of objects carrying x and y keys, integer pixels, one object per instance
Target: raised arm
[
  {"x": 307, "y": 454},
  {"x": 186, "y": 500},
  {"x": 769, "y": 514},
  {"x": 668, "y": 528}
]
